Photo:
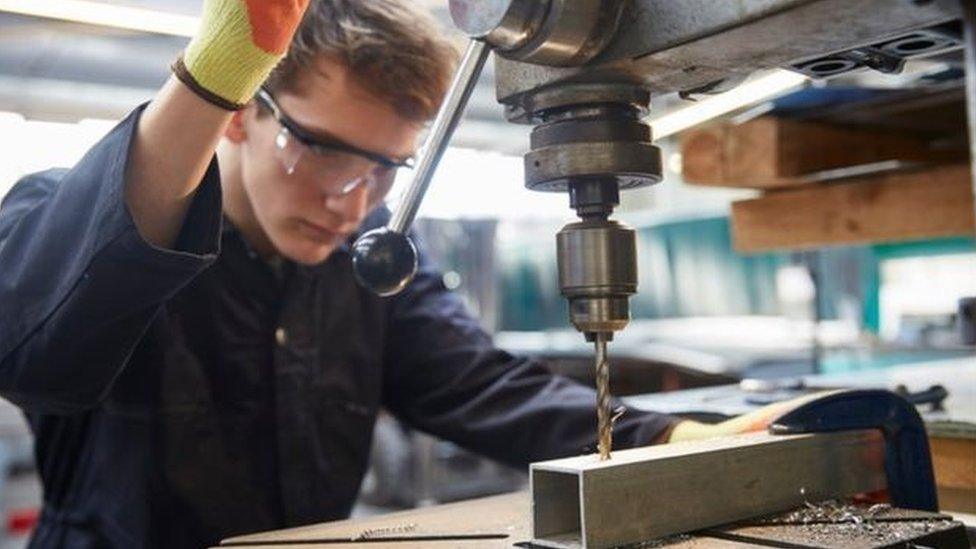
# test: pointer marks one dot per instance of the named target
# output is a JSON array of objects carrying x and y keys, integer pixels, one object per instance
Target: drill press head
[
  {"x": 591, "y": 143},
  {"x": 588, "y": 140}
]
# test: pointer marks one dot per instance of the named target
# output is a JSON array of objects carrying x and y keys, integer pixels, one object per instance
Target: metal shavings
[
  {"x": 878, "y": 508},
  {"x": 832, "y": 520},
  {"x": 373, "y": 533},
  {"x": 617, "y": 413},
  {"x": 875, "y": 533},
  {"x": 830, "y": 511},
  {"x": 664, "y": 542}
]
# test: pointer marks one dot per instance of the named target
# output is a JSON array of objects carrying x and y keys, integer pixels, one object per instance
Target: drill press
[
  {"x": 589, "y": 141},
  {"x": 592, "y": 150}
]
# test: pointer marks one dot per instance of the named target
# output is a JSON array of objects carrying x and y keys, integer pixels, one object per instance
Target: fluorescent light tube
[
  {"x": 106, "y": 15},
  {"x": 756, "y": 89}
]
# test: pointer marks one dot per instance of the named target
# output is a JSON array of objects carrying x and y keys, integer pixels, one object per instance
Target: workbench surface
[
  {"x": 503, "y": 521},
  {"x": 507, "y": 516}
]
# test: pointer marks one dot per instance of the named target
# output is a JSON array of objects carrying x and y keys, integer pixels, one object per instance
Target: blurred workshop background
[{"x": 706, "y": 314}]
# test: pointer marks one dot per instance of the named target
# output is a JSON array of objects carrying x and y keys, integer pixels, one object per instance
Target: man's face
[{"x": 307, "y": 213}]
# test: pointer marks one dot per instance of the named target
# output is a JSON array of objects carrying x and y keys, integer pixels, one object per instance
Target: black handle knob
[{"x": 384, "y": 261}]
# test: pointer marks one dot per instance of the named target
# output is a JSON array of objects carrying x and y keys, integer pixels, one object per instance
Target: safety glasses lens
[{"x": 289, "y": 151}]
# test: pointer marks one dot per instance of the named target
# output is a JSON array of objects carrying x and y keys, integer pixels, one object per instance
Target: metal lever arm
[
  {"x": 447, "y": 120},
  {"x": 384, "y": 259}
]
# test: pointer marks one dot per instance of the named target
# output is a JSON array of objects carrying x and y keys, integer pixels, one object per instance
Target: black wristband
[{"x": 183, "y": 74}]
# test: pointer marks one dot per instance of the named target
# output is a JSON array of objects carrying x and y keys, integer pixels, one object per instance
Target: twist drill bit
[{"x": 604, "y": 422}]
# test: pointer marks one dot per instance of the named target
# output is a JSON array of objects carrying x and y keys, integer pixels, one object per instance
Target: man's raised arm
[
  {"x": 88, "y": 255},
  {"x": 238, "y": 44}
]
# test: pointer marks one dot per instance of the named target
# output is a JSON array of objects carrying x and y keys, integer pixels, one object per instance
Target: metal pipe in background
[{"x": 969, "y": 24}]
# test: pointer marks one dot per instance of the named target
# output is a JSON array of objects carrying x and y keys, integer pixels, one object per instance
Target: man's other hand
[{"x": 757, "y": 420}]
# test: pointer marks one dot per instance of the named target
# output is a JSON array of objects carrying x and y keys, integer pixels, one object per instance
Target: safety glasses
[{"x": 341, "y": 166}]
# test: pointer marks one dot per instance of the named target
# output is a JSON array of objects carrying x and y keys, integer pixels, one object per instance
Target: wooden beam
[
  {"x": 772, "y": 152},
  {"x": 954, "y": 462},
  {"x": 897, "y": 206},
  {"x": 647, "y": 493}
]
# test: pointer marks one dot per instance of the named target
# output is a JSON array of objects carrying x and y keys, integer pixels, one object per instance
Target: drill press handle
[{"x": 384, "y": 259}]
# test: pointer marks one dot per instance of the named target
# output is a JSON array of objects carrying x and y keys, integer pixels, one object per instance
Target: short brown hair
[{"x": 396, "y": 50}]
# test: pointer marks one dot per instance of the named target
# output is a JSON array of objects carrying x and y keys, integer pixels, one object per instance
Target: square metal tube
[{"x": 648, "y": 493}]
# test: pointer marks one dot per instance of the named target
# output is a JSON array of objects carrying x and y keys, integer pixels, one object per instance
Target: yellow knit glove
[
  {"x": 758, "y": 420},
  {"x": 238, "y": 45}
]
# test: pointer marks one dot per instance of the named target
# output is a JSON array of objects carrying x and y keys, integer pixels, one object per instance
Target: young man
[{"x": 190, "y": 346}]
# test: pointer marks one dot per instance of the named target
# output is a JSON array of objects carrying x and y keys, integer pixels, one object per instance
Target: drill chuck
[{"x": 597, "y": 273}]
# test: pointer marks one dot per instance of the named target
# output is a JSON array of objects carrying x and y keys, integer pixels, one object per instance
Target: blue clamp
[{"x": 908, "y": 461}]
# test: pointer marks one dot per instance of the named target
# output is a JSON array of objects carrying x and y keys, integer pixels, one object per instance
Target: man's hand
[
  {"x": 238, "y": 45},
  {"x": 758, "y": 420}
]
